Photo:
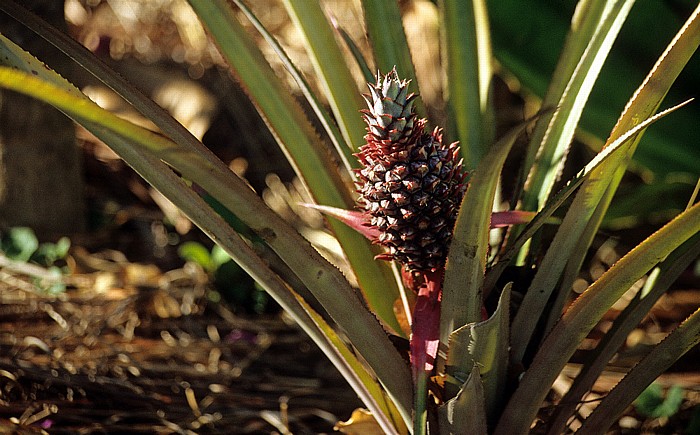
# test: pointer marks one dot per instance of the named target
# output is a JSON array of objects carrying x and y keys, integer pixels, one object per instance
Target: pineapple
[{"x": 411, "y": 184}]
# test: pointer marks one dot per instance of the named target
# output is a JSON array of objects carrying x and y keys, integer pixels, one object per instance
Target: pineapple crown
[
  {"x": 390, "y": 115},
  {"x": 410, "y": 183}
]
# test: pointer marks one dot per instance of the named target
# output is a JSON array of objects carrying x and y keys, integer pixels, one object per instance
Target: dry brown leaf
[{"x": 361, "y": 422}]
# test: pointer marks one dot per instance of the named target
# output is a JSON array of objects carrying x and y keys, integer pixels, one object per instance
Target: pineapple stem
[{"x": 424, "y": 341}]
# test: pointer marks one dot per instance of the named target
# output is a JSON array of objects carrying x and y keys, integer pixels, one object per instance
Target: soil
[{"x": 158, "y": 359}]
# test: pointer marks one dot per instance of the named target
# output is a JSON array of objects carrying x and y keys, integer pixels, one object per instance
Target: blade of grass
[
  {"x": 657, "y": 283},
  {"x": 329, "y": 63},
  {"x": 675, "y": 345},
  {"x": 467, "y": 55},
  {"x": 316, "y": 273},
  {"x": 385, "y": 30},
  {"x": 303, "y": 148},
  {"x": 584, "y": 314}
]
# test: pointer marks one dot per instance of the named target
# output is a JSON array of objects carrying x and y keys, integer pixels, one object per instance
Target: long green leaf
[
  {"x": 202, "y": 166},
  {"x": 586, "y": 212},
  {"x": 557, "y": 200},
  {"x": 331, "y": 68},
  {"x": 559, "y": 133},
  {"x": 467, "y": 54},
  {"x": 533, "y": 304},
  {"x": 583, "y": 26},
  {"x": 466, "y": 261},
  {"x": 316, "y": 273},
  {"x": 389, "y": 44},
  {"x": 675, "y": 345},
  {"x": 527, "y": 40},
  {"x": 87, "y": 60},
  {"x": 344, "y": 148},
  {"x": 303, "y": 148},
  {"x": 657, "y": 283},
  {"x": 356, "y": 52},
  {"x": 584, "y": 314},
  {"x": 645, "y": 101},
  {"x": 353, "y": 371},
  {"x": 164, "y": 179},
  {"x": 642, "y": 104}
]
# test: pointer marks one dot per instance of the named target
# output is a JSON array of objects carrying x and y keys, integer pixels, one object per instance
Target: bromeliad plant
[{"x": 474, "y": 367}]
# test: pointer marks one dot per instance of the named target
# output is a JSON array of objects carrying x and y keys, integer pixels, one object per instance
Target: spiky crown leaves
[{"x": 410, "y": 183}]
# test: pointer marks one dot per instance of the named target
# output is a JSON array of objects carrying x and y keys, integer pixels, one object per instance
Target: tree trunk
[{"x": 40, "y": 169}]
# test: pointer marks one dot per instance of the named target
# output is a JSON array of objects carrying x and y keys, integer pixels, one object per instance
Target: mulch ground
[{"x": 157, "y": 359}]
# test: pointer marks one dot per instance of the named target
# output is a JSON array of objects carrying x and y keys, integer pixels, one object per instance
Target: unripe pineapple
[{"x": 411, "y": 184}]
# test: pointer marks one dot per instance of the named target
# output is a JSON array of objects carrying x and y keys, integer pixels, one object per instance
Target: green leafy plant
[
  {"x": 229, "y": 279},
  {"x": 20, "y": 250},
  {"x": 210, "y": 261},
  {"x": 652, "y": 403},
  {"x": 479, "y": 362}
]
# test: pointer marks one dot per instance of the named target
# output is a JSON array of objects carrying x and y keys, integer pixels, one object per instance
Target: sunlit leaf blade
[
  {"x": 466, "y": 409},
  {"x": 316, "y": 273},
  {"x": 343, "y": 147},
  {"x": 485, "y": 345},
  {"x": 657, "y": 283},
  {"x": 388, "y": 39},
  {"x": 559, "y": 133},
  {"x": 643, "y": 103},
  {"x": 367, "y": 388},
  {"x": 549, "y": 271},
  {"x": 675, "y": 345},
  {"x": 303, "y": 147},
  {"x": 467, "y": 54},
  {"x": 583, "y": 218},
  {"x": 332, "y": 71},
  {"x": 583, "y": 26},
  {"x": 466, "y": 261},
  {"x": 527, "y": 40},
  {"x": 557, "y": 200},
  {"x": 87, "y": 60},
  {"x": 164, "y": 179},
  {"x": 584, "y": 314}
]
